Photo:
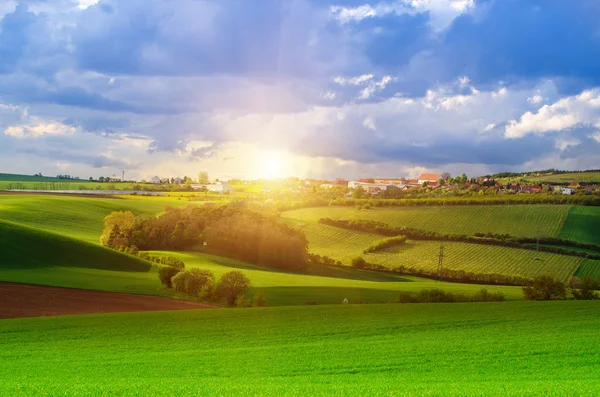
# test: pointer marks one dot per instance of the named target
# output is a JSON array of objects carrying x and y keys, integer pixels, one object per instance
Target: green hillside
[
  {"x": 582, "y": 225},
  {"x": 27, "y": 178},
  {"x": 486, "y": 349},
  {"x": 587, "y": 177},
  {"x": 77, "y": 217},
  {"x": 516, "y": 220}
]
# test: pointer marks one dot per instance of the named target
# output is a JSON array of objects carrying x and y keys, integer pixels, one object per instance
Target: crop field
[
  {"x": 588, "y": 177},
  {"x": 510, "y": 348},
  {"x": 589, "y": 268},
  {"x": 516, "y": 220},
  {"x": 77, "y": 217},
  {"x": 583, "y": 225},
  {"x": 479, "y": 259}
]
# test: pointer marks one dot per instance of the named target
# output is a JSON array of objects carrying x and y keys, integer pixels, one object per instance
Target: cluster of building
[
  {"x": 216, "y": 187},
  {"x": 382, "y": 184}
]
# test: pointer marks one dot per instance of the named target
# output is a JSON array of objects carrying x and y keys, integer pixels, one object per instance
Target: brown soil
[{"x": 24, "y": 300}]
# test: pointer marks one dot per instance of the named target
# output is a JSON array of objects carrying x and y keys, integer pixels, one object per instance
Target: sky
[{"x": 306, "y": 88}]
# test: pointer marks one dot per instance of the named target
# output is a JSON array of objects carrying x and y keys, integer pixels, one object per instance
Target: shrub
[
  {"x": 584, "y": 289},
  {"x": 483, "y": 295},
  {"x": 435, "y": 295},
  {"x": 231, "y": 285},
  {"x": 405, "y": 297},
  {"x": 544, "y": 288},
  {"x": 208, "y": 291},
  {"x": 386, "y": 243},
  {"x": 195, "y": 279},
  {"x": 165, "y": 274},
  {"x": 359, "y": 262},
  {"x": 258, "y": 300},
  {"x": 243, "y": 301},
  {"x": 173, "y": 262},
  {"x": 178, "y": 282}
]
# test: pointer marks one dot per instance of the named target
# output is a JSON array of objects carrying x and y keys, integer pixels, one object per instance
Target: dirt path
[{"x": 24, "y": 300}]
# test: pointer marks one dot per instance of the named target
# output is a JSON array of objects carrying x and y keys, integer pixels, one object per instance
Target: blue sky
[{"x": 301, "y": 87}]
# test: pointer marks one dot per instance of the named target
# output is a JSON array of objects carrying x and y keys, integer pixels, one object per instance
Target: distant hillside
[
  {"x": 589, "y": 177},
  {"x": 29, "y": 178}
]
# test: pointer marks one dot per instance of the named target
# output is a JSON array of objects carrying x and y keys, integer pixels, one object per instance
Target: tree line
[{"x": 232, "y": 230}]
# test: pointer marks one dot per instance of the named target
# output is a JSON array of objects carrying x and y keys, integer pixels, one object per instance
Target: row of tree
[{"x": 232, "y": 230}]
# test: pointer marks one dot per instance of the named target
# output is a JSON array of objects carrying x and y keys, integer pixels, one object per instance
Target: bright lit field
[
  {"x": 516, "y": 220},
  {"x": 589, "y": 177},
  {"x": 488, "y": 349},
  {"x": 583, "y": 225}
]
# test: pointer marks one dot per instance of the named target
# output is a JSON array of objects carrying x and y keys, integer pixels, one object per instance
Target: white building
[
  {"x": 155, "y": 179},
  {"x": 371, "y": 187},
  {"x": 218, "y": 187}
]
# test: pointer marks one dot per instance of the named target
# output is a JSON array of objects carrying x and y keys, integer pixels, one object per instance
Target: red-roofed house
[{"x": 430, "y": 178}]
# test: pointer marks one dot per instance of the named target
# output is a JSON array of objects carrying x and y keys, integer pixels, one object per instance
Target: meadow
[
  {"x": 516, "y": 220},
  {"x": 506, "y": 348}
]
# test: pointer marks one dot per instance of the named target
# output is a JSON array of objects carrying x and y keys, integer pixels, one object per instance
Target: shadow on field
[
  {"x": 285, "y": 296},
  {"x": 346, "y": 272}
]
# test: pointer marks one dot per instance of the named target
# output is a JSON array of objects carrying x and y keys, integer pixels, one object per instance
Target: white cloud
[
  {"x": 374, "y": 86},
  {"x": 358, "y": 80},
  {"x": 441, "y": 12},
  {"x": 566, "y": 113},
  {"x": 535, "y": 99},
  {"x": 595, "y": 136},
  {"x": 62, "y": 166},
  {"x": 502, "y": 92},
  {"x": 328, "y": 95},
  {"x": 489, "y": 127},
  {"x": 83, "y": 4},
  {"x": 464, "y": 81},
  {"x": 564, "y": 143},
  {"x": 369, "y": 123},
  {"x": 41, "y": 129}
]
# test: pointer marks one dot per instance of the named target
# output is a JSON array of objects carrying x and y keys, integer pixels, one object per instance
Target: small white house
[
  {"x": 218, "y": 187},
  {"x": 567, "y": 191}
]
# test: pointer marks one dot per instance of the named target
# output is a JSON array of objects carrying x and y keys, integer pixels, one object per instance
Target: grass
[
  {"x": 582, "y": 225},
  {"x": 491, "y": 349},
  {"x": 479, "y": 259},
  {"x": 588, "y": 177},
  {"x": 77, "y": 217},
  {"x": 517, "y": 220}
]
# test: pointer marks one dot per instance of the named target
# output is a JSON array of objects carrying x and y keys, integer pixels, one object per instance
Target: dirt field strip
[{"x": 24, "y": 300}]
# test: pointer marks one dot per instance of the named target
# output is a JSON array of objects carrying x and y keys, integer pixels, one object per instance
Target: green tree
[
  {"x": 545, "y": 288},
  {"x": 358, "y": 192},
  {"x": 231, "y": 285},
  {"x": 203, "y": 177}
]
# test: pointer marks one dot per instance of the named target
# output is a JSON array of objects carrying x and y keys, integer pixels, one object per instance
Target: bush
[
  {"x": 195, "y": 279},
  {"x": 483, "y": 295},
  {"x": 584, "y": 289},
  {"x": 258, "y": 300},
  {"x": 208, "y": 292},
  {"x": 173, "y": 262},
  {"x": 545, "y": 288},
  {"x": 386, "y": 243},
  {"x": 243, "y": 301},
  {"x": 231, "y": 285},
  {"x": 359, "y": 262},
  {"x": 165, "y": 274},
  {"x": 178, "y": 282}
]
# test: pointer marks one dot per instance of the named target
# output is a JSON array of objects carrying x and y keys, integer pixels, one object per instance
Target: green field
[
  {"x": 516, "y": 220},
  {"x": 479, "y": 259},
  {"x": 486, "y": 349},
  {"x": 582, "y": 225},
  {"x": 77, "y": 217},
  {"x": 588, "y": 177},
  {"x": 589, "y": 268}
]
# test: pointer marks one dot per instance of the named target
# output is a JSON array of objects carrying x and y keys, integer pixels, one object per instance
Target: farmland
[
  {"x": 516, "y": 220},
  {"x": 479, "y": 259},
  {"x": 587, "y": 177},
  {"x": 583, "y": 225},
  {"x": 511, "y": 348}
]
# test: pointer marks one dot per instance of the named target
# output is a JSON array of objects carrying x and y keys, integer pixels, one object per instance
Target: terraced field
[
  {"x": 589, "y": 268},
  {"x": 582, "y": 225},
  {"x": 479, "y": 259},
  {"x": 589, "y": 177},
  {"x": 517, "y": 220}
]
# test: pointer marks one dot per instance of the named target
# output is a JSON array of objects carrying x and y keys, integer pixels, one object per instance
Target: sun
[{"x": 272, "y": 165}]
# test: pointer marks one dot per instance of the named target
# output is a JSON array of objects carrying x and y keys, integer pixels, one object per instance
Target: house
[
  {"x": 574, "y": 185},
  {"x": 536, "y": 189},
  {"x": 567, "y": 191},
  {"x": 390, "y": 181},
  {"x": 326, "y": 185},
  {"x": 178, "y": 181},
  {"x": 155, "y": 179},
  {"x": 429, "y": 178},
  {"x": 218, "y": 187},
  {"x": 371, "y": 187}
]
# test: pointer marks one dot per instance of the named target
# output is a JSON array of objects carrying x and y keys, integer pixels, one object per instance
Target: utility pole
[
  {"x": 123, "y": 176},
  {"x": 441, "y": 262}
]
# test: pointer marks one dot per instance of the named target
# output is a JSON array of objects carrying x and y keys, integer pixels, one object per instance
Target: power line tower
[{"x": 441, "y": 262}]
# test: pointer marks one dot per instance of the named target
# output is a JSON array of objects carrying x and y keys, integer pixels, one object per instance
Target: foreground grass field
[
  {"x": 493, "y": 349},
  {"x": 516, "y": 220}
]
